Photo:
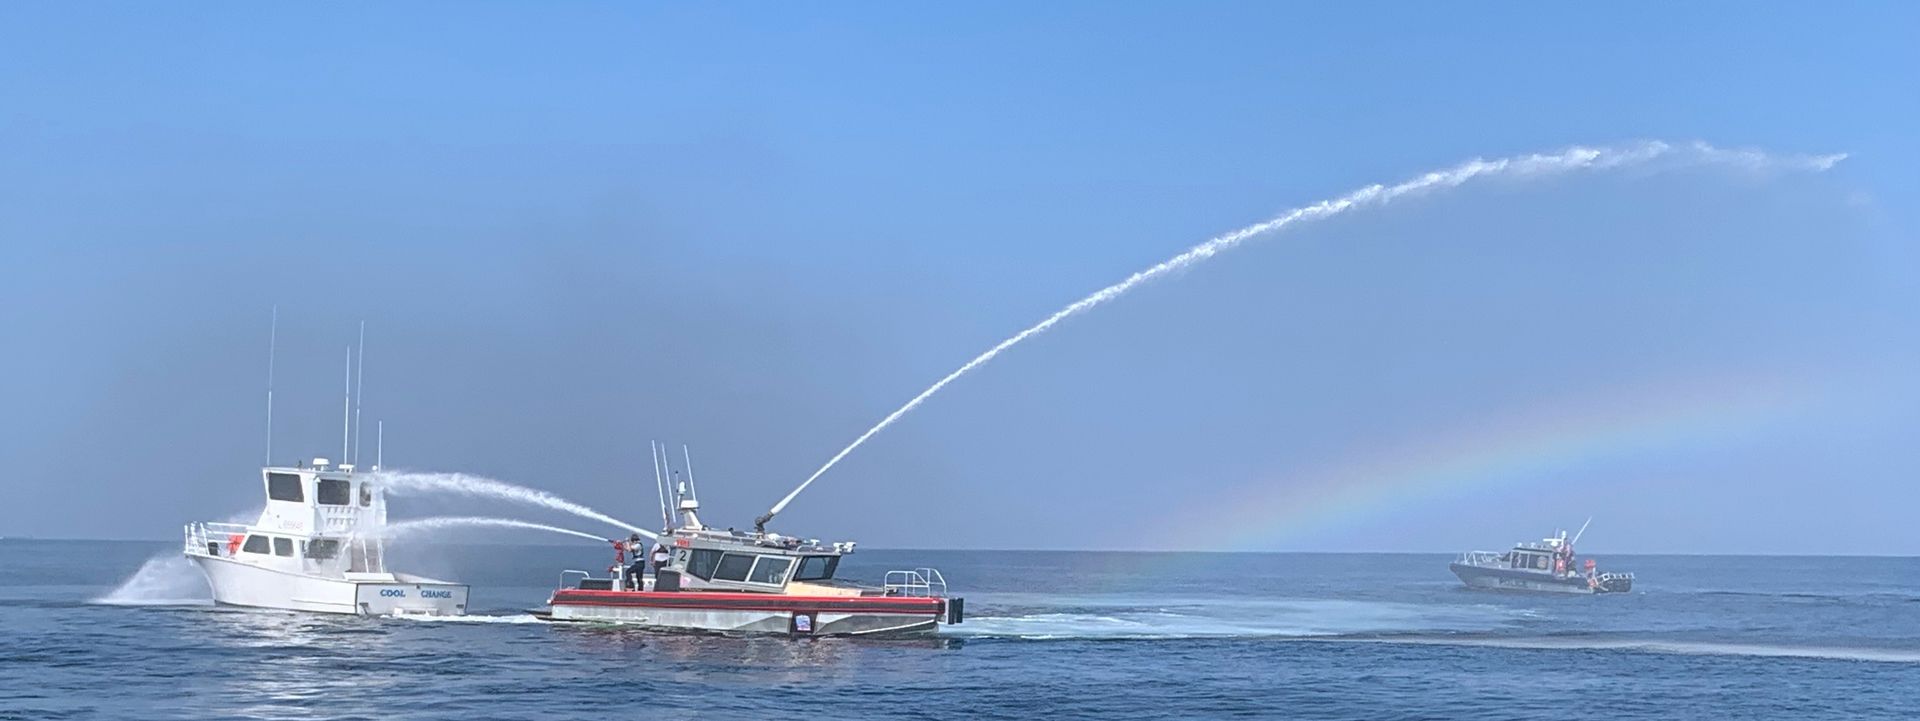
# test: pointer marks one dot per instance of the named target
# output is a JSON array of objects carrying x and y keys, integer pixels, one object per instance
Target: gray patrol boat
[{"x": 1545, "y": 566}]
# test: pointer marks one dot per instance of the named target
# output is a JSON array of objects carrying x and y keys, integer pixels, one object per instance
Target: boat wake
[
  {"x": 1362, "y": 622},
  {"x": 1591, "y": 642},
  {"x": 1279, "y": 618},
  {"x": 517, "y": 618},
  {"x": 164, "y": 580}
]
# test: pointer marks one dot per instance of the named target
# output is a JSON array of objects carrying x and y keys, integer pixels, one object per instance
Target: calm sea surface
[{"x": 1062, "y": 635}]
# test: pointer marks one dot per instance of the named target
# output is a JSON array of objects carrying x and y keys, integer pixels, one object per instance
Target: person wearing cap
[{"x": 639, "y": 566}]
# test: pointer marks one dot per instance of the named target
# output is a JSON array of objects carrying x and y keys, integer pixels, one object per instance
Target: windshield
[{"x": 816, "y": 568}]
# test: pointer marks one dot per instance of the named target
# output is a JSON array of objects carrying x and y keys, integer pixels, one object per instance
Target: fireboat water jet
[{"x": 1533, "y": 165}]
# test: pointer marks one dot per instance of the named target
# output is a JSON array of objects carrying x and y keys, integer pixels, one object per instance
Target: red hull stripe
[{"x": 748, "y": 602}]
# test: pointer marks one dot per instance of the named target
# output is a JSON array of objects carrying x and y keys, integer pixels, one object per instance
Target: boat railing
[
  {"x": 212, "y": 539},
  {"x": 918, "y": 582},
  {"x": 573, "y": 572}
]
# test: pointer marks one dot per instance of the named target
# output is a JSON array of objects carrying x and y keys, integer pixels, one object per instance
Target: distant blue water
[{"x": 1066, "y": 635}]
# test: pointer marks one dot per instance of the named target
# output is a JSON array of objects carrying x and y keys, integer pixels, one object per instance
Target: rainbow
[{"x": 1530, "y": 446}]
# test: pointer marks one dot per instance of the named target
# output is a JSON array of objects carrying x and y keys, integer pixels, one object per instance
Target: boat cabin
[
  {"x": 317, "y": 519},
  {"x": 1551, "y": 555},
  {"x": 710, "y": 561}
]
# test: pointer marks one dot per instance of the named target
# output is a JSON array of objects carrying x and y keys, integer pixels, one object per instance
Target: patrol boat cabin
[{"x": 316, "y": 546}]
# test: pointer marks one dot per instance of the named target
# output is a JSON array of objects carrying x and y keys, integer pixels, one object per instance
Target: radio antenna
[
  {"x": 379, "y": 445},
  {"x": 346, "y": 410},
  {"x": 359, "y": 390},
  {"x": 1583, "y": 531},
  {"x": 273, "y": 335},
  {"x": 695, "y": 488},
  {"x": 659, "y": 486}
]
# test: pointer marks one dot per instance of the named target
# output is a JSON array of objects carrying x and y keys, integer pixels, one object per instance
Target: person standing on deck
[
  {"x": 660, "y": 556},
  {"x": 639, "y": 566}
]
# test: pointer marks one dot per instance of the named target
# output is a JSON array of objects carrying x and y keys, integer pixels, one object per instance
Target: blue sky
[{"x": 757, "y": 229}]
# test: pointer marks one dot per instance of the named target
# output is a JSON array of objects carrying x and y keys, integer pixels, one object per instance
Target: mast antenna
[
  {"x": 659, "y": 486},
  {"x": 695, "y": 488},
  {"x": 346, "y": 410},
  {"x": 273, "y": 335},
  {"x": 359, "y": 390},
  {"x": 1583, "y": 530},
  {"x": 379, "y": 445}
]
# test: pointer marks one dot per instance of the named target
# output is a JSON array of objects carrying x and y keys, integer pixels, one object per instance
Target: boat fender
[{"x": 233, "y": 542}]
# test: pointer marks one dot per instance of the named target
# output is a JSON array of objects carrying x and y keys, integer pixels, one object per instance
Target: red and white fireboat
[{"x": 728, "y": 581}]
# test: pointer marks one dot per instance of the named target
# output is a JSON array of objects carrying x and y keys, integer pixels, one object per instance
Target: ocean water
[{"x": 1049, "y": 634}]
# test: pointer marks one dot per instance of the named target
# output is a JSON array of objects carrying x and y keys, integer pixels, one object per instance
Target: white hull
[{"x": 241, "y": 584}]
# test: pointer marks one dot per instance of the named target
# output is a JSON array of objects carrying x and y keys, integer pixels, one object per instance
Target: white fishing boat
[{"x": 317, "y": 546}]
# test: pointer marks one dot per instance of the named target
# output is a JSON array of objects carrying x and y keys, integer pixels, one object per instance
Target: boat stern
[{"x": 409, "y": 596}]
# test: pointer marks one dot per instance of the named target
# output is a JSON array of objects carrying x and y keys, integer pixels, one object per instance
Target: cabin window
[
  {"x": 323, "y": 549},
  {"x": 366, "y": 495},
  {"x": 283, "y": 547},
  {"x": 284, "y": 487},
  {"x": 255, "y": 544},
  {"x": 770, "y": 569},
  {"x": 734, "y": 567},
  {"x": 816, "y": 568},
  {"x": 1540, "y": 562},
  {"x": 702, "y": 563},
  {"x": 333, "y": 492}
]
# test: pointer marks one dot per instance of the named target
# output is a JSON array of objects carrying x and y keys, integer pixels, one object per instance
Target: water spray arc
[
  {"x": 1521, "y": 166},
  {"x": 415, "y": 525},
  {"x": 461, "y": 483}
]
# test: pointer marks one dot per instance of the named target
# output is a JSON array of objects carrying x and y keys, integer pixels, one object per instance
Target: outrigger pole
[
  {"x": 659, "y": 486},
  {"x": 346, "y": 412},
  {"x": 695, "y": 488},
  {"x": 273, "y": 334},
  {"x": 359, "y": 390}
]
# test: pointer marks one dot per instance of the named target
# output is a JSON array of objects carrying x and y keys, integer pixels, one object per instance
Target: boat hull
[
  {"x": 1503, "y": 579},
  {"x": 752, "y": 612},
  {"x": 239, "y": 584}
]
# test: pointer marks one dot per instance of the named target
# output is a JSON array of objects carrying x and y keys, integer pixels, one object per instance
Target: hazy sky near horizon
[{"x": 757, "y": 229}]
